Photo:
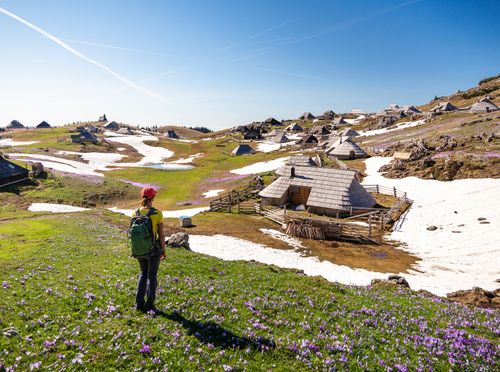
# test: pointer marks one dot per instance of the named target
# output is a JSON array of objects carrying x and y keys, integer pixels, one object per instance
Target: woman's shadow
[{"x": 212, "y": 333}]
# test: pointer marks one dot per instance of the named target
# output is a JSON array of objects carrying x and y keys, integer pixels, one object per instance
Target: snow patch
[
  {"x": 212, "y": 193},
  {"x": 291, "y": 241},
  {"x": 11, "y": 142},
  {"x": 166, "y": 214},
  {"x": 263, "y": 166},
  {"x": 55, "y": 208},
  {"x": 404, "y": 125}
]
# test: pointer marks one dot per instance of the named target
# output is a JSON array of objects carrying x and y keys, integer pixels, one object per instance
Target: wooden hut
[
  {"x": 320, "y": 130},
  {"x": 102, "y": 118},
  {"x": 323, "y": 191},
  {"x": 125, "y": 130},
  {"x": 11, "y": 173},
  {"x": 345, "y": 148},
  {"x": 243, "y": 149},
  {"x": 171, "y": 134},
  {"x": 443, "y": 107},
  {"x": 484, "y": 105},
  {"x": 273, "y": 121},
  {"x": 15, "y": 124},
  {"x": 113, "y": 125},
  {"x": 294, "y": 127},
  {"x": 43, "y": 125},
  {"x": 308, "y": 139},
  {"x": 84, "y": 137},
  {"x": 307, "y": 116}
]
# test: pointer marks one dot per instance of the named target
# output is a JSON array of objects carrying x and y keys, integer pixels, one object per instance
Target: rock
[
  {"x": 393, "y": 280},
  {"x": 428, "y": 162},
  {"x": 432, "y": 228},
  {"x": 476, "y": 297},
  {"x": 179, "y": 240}
]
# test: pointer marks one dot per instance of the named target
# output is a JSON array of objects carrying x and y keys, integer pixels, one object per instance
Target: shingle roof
[
  {"x": 9, "y": 169},
  {"x": 280, "y": 138},
  {"x": 310, "y": 138},
  {"x": 297, "y": 160},
  {"x": 15, "y": 124},
  {"x": 330, "y": 188},
  {"x": 349, "y": 132},
  {"x": 484, "y": 105},
  {"x": 344, "y": 148},
  {"x": 320, "y": 129},
  {"x": 43, "y": 124},
  {"x": 294, "y": 127},
  {"x": 243, "y": 149}
]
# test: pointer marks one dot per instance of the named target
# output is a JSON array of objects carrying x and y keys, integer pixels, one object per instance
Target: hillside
[
  {"x": 67, "y": 303},
  {"x": 487, "y": 86}
]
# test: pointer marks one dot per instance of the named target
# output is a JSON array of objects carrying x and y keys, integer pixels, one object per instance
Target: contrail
[
  {"x": 304, "y": 76},
  {"x": 84, "y": 57},
  {"x": 331, "y": 29},
  {"x": 257, "y": 34},
  {"x": 111, "y": 47}
]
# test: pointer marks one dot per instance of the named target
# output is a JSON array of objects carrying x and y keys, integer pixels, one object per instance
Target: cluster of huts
[{"x": 328, "y": 137}]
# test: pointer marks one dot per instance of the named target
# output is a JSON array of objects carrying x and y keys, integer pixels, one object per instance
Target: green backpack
[{"x": 140, "y": 233}]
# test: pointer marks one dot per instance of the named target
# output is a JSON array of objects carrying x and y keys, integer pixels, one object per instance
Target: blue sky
[{"x": 223, "y": 63}]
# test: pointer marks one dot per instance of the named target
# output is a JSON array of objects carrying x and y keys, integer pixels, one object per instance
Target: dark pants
[{"x": 147, "y": 283}]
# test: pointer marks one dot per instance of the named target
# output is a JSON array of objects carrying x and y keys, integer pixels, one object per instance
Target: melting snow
[
  {"x": 212, "y": 193},
  {"x": 152, "y": 154},
  {"x": 11, "y": 142},
  {"x": 290, "y": 240},
  {"x": 56, "y": 208},
  {"x": 166, "y": 214},
  {"x": 404, "y": 125},
  {"x": 263, "y": 166}
]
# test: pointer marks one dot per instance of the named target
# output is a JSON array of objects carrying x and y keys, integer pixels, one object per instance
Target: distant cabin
[
  {"x": 243, "y": 149},
  {"x": 273, "y": 121},
  {"x": 323, "y": 191},
  {"x": 308, "y": 139},
  {"x": 346, "y": 149},
  {"x": 15, "y": 124},
  {"x": 280, "y": 138},
  {"x": 125, "y": 130},
  {"x": 171, "y": 134},
  {"x": 327, "y": 115},
  {"x": 307, "y": 116},
  {"x": 320, "y": 130},
  {"x": 102, "y": 118},
  {"x": 339, "y": 121},
  {"x": 84, "y": 137},
  {"x": 252, "y": 134},
  {"x": 484, "y": 105},
  {"x": 349, "y": 132},
  {"x": 411, "y": 110},
  {"x": 294, "y": 127},
  {"x": 43, "y": 125},
  {"x": 357, "y": 111},
  {"x": 111, "y": 126},
  {"x": 11, "y": 173},
  {"x": 443, "y": 107}
]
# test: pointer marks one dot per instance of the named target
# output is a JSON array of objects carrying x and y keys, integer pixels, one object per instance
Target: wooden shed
[
  {"x": 11, "y": 173},
  {"x": 323, "y": 191}
]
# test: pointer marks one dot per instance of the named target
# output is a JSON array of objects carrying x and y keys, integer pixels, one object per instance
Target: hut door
[
  {"x": 300, "y": 195},
  {"x": 352, "y": 154}
]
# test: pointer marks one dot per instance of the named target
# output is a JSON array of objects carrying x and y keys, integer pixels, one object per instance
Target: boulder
[
  {"x": 179, "y": 240},
  {"x": 476, "y": 297},
  {"x": 393, "y": 280}
]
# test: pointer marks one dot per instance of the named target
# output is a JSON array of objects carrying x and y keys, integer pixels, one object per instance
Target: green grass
[{"x": 67, "y": 303}]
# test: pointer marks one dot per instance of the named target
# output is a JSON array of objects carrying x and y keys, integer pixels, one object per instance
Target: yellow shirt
[{"x": 156, "y": 218}]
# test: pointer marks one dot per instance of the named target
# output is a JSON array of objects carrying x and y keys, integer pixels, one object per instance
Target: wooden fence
[{"x": 225, "y": 202}]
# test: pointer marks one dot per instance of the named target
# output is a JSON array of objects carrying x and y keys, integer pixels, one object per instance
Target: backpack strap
[
  {"x": 151, "y": 211},
  {"x": 137, "y": 212}
]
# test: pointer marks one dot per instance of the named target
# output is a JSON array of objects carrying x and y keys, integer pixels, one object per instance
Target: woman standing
[{"x": 147, "y": 283}]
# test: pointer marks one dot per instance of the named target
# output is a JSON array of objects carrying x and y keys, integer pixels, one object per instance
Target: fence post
[
  {"x": 395, "y": 192},
  {"x": 376, "y": 186},
  {"x": 238, "y": 207}
]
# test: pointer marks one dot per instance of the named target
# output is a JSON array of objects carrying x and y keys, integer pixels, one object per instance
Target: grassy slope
[{"x": 68, "y": 290}]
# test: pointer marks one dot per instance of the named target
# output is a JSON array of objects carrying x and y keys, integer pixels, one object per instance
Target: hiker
[{"x": 149, "y": 259}]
